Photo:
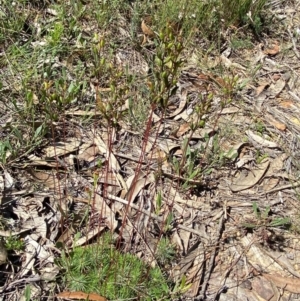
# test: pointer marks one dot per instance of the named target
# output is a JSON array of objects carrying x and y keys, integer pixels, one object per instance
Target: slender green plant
[{"x": 263, "y": 218}]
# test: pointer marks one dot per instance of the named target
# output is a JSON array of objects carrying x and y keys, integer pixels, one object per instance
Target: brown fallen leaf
[
  {"x": 144, "y": 40},
  {"x": 274, "y": 50},
  {"x": 80, "y": 295},
  {"x": 280, "y": 126},
  {"x": 146, "y": 29},
  {"x": 88, "y": 153},
  {"x": 286, "y": 104},
  {"x": 276, "y": 76},
  {"x": 263, "y": 288},
  {"x": 261, "y": 88},
  {"x": 290, "y": 284},
  {"x": 49, "y": 179},
  {"x": 183, "y": 128},
  {"x": 158, "y": 155}
]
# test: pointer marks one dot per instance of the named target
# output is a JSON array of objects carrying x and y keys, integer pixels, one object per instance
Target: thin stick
[{"x": 293, "y": 185}]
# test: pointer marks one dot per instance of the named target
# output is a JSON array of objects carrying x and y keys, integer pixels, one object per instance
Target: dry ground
[{"x": 225, "y": 192}]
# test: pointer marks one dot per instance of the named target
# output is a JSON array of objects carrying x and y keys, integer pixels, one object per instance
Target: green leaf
[
  {"x": 193, "y": 174},
  {"x": 37, "y": 132},
  {"x": 158, "y": 201},
  {"x": 169, "y": 220},
  {"x": 266, "y": 212},
  {"x": 256, "y": 210},
  {"x": 280, "y": 222},
  {"x": 27, "y": 293},
  {"x": 249, "y": 226},
  {"x": 18, "y": 134}
]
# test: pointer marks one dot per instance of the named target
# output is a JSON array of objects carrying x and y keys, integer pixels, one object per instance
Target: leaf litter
[{"x": 218, "y": 256}]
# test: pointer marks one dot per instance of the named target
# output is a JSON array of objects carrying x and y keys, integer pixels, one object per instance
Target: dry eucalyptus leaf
[
  {"x": 133, "y": 61},
  {"x": 62, "y": 148},
  {"x": 11, "y": 233},
  {"x": 279, "y": 125},
  {"x": 167, "y": 145},
  {"x": 186, "y": 263},
  {"x": 66, "y": 236},
  {"x": 261, "y": 141},
  {"x": 50, "y": 180},
  {"x": 184, "y": 115},
  {"x": 201, "y": 133},
  {"x": 88, "y": 236},
  {"x": 261, "y": 88},
  {"x": 182, "y": 104},
  {"x": 146, "y": 29},
  {"x": 106, "y": 212},
  {"x": 257, "y": 257},
  {"x": 137, "y": 186},
  {"x": 275, "y": 89},
  {"x": 176, "y": 240},
  {"x": 157, "y": 155},
  {"x": 260, "y": 100},
  {"x": 295, "y": 120},
  {"x": 276, "y": 165},
  {"x": 83, "y": 113},
  {"x": 37, "y": 223},
  {"x": 229, "y": 110},
  {"x": 1, "y": 183},
  {"x": 29, "y": 254},
  {"x": 290, "y": 284},
  {"x": 80, "y": 296},
  {"x": 9, "y": 180},
  {"x": 3, "y": 252},
  {"x": 270, "y": 183},
  {"x": 287, "y": 104},
  {"x": 263, "y": 288},
  {"x": 113, "y": 162},
  {"x": 40, "y": 251},
  {"x": 248, "y": 179},
  {"x": 194, "y": 277},
  {"x": 49, "y": 273},
  {"x": 276, "y": 76},
  {"x": 144, "y": 40},
  {"x": 102, "y": 146},
  {"x": 183, "y": 128},
  {"x": 274, "y": 50},
  {"x": 228, "y": 63},
  {"x": 244, "y": 160},
  {"x": 185, "y": 237},
  {"x": 36, "y": 161},
  {"x": 88, "y": 154}
]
